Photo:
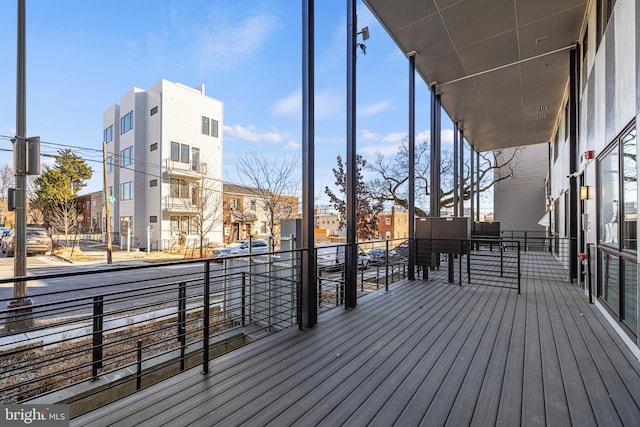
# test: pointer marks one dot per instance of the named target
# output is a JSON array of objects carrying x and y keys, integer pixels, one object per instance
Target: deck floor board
[{"x": 424, "y": 352}]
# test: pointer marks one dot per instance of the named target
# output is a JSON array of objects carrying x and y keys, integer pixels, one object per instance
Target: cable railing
[{"x": 140, "y": 325}]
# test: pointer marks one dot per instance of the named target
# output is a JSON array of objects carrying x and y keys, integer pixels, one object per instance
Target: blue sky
[{"x": 82, "y": 56}]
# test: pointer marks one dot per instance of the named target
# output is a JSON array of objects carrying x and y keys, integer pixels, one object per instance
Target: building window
[
  {"x": 125, "y": 190},
  {"x": 175, "y": 151},
  {"x": 184, "y": 153},
  {"x": 126, "y": 123},
  {"x": 205, "y": 125},
  {"x": 179, "y": 152},
  {"x": 110, "y": 164},
  {"x": 214, "y": 128},
  {"x": 154, "y": 110},
  {"x": 195, "y": 159},
  {"x": 126, "y": 156},
  {"x": 108, "y": 134},
  {"x": 153, "y": 147},
  {"x": 252, "y": 205},
  {"x": 209, "y": 127},
  {"x": 153, "y": 219},
  {"x": 617, "y": 171},
  {"x": 178, "y": 188},
  {"x": 263, "y": 227},
  {"x": 153, "y": 183},
  {"x": 388, "y": 221},
  {"x": 233, "y": 204}
]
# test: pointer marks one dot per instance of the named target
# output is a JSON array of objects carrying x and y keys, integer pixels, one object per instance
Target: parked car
[
  {"x": 378, "y": 256},
  {"x": 37, "y": 241},
  {"x": 330, "y": 257},
  {"x": 240, "y": 247},
  {"x": 4, "y": 233}
]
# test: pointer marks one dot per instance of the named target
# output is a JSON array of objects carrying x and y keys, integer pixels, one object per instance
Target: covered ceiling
[{"x": 501, "y": 66}]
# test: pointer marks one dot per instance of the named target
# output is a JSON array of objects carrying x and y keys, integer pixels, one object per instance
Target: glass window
[
  {"x": 153, "y": 219},
  {"x": 195, "y": 159},
  {"x": 263, "y": 227},
  {"x": 175, "y": 223},
  {"x": 610, "y": 281},
  {"x": 153, "y": 183},
  {"x": 184, "y": 153},
  {"x": 126, "y": 156},
  {"x": 253, "y": 206},
  {"x": 174, "y": 188},
  {"x": 184, "y": 189},
  {"x": 154, "y": 110},
  {"x": 214, "y": 128},
  {"x": 125, "y": 190},
  {"x": 153, "y": 147},
  {"x": 609, "y": 176},
  {"x": 126, "y": 122},
  {"x": 205, "y": 125},
  {"x": 630, "y": 308},
  {"x": 108, "y": 134},
  {"x": 175, "y": 151},
  {"x": 110, "y": 164},
  {"x": 630, "y": 191}
]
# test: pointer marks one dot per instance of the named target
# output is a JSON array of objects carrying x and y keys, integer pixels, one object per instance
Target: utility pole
[
  {"x": 22, "y": 318},
  {"x": 107, "y": 220}
]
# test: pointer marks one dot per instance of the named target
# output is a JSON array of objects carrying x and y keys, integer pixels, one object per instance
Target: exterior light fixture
[{"x": 584, "y": 192}]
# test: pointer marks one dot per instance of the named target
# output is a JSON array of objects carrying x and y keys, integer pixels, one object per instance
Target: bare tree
[
  {"x": 272, "y": 182},
  {"x": 391, "y": 184},
  {"x": 208, "y": 202}
]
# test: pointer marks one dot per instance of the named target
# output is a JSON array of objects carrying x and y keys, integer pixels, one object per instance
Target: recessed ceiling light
[
  {"x": 541, "y": 117},
  {"x": 542, "y": 39},
  {"x": 543, "y": 108}
]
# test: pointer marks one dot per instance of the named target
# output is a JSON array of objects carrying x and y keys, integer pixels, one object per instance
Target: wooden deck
[{"x": 427, "y": 353}]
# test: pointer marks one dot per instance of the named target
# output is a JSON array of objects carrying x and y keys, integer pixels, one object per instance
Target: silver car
[
  {"x": 38, "y": 240},
  {"x": 240, "y": 247}
]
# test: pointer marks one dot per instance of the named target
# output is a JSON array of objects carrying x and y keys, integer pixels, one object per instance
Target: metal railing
[{"x": 141, "y": 324}]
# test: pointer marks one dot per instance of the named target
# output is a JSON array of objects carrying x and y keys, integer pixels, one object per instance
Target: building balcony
[
  {"x": 185, "y": 170},
  {"x": 179, "y": 206}
]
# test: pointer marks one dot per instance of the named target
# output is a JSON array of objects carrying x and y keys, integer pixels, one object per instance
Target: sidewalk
[{"x": 92, "y": 252}]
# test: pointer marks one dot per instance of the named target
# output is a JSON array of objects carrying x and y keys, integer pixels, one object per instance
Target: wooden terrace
[{"x": 422, "y": 353}]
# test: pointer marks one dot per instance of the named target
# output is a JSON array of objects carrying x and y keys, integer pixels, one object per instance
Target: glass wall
[{"x": 617, "y": 229}]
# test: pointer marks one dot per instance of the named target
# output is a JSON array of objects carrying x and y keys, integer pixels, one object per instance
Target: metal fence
[{"x": 129, "y": 327}]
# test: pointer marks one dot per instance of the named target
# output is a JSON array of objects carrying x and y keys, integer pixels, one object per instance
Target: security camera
[{"x": 573, "y": 175}]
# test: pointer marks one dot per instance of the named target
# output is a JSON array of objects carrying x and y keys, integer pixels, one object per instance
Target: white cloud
[
  {"x": 386, "y": 149},
  {"x": 425, "y": 135},
  {"x": 252, "y": 134},
  {"x": 373, "y": 109},
  {"x": 395, "y": 137},
  {"x": 327, "y": 104},
  {"x": 224, "y": 45},
  {"x": 292, "y": 145},
  {"x": 368, "y": 135},
  {"x": 290, "y": 106},
  {"x": 446, "y": 136}
]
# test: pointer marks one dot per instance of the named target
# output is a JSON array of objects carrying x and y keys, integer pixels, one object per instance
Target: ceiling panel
[{"x": 496, "y": 62}]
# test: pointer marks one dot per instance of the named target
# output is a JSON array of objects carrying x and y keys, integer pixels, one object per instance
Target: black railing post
[
  {"x": 139, "y": 365},
  {"x": 525, "y": 241},
  {"x": 468, "y": 250},
  {"x": 519, "y": 267},
  {"x": 589, "y": 273},
  {"x": 243, "y": 298},
  {"x": 501, "y": 258},
  {"x": 182, "y": 320},
  {"x": 386, "y": 266},
  {"x": 206, "y": 319},
  {"x": 319, "y": 287},
  {"x": 98, "y": 324},
  {"x": 460, "y": 261}
]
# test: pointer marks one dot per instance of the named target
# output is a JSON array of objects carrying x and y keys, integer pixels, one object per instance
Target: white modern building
[{"x": 164, "y": 161}]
